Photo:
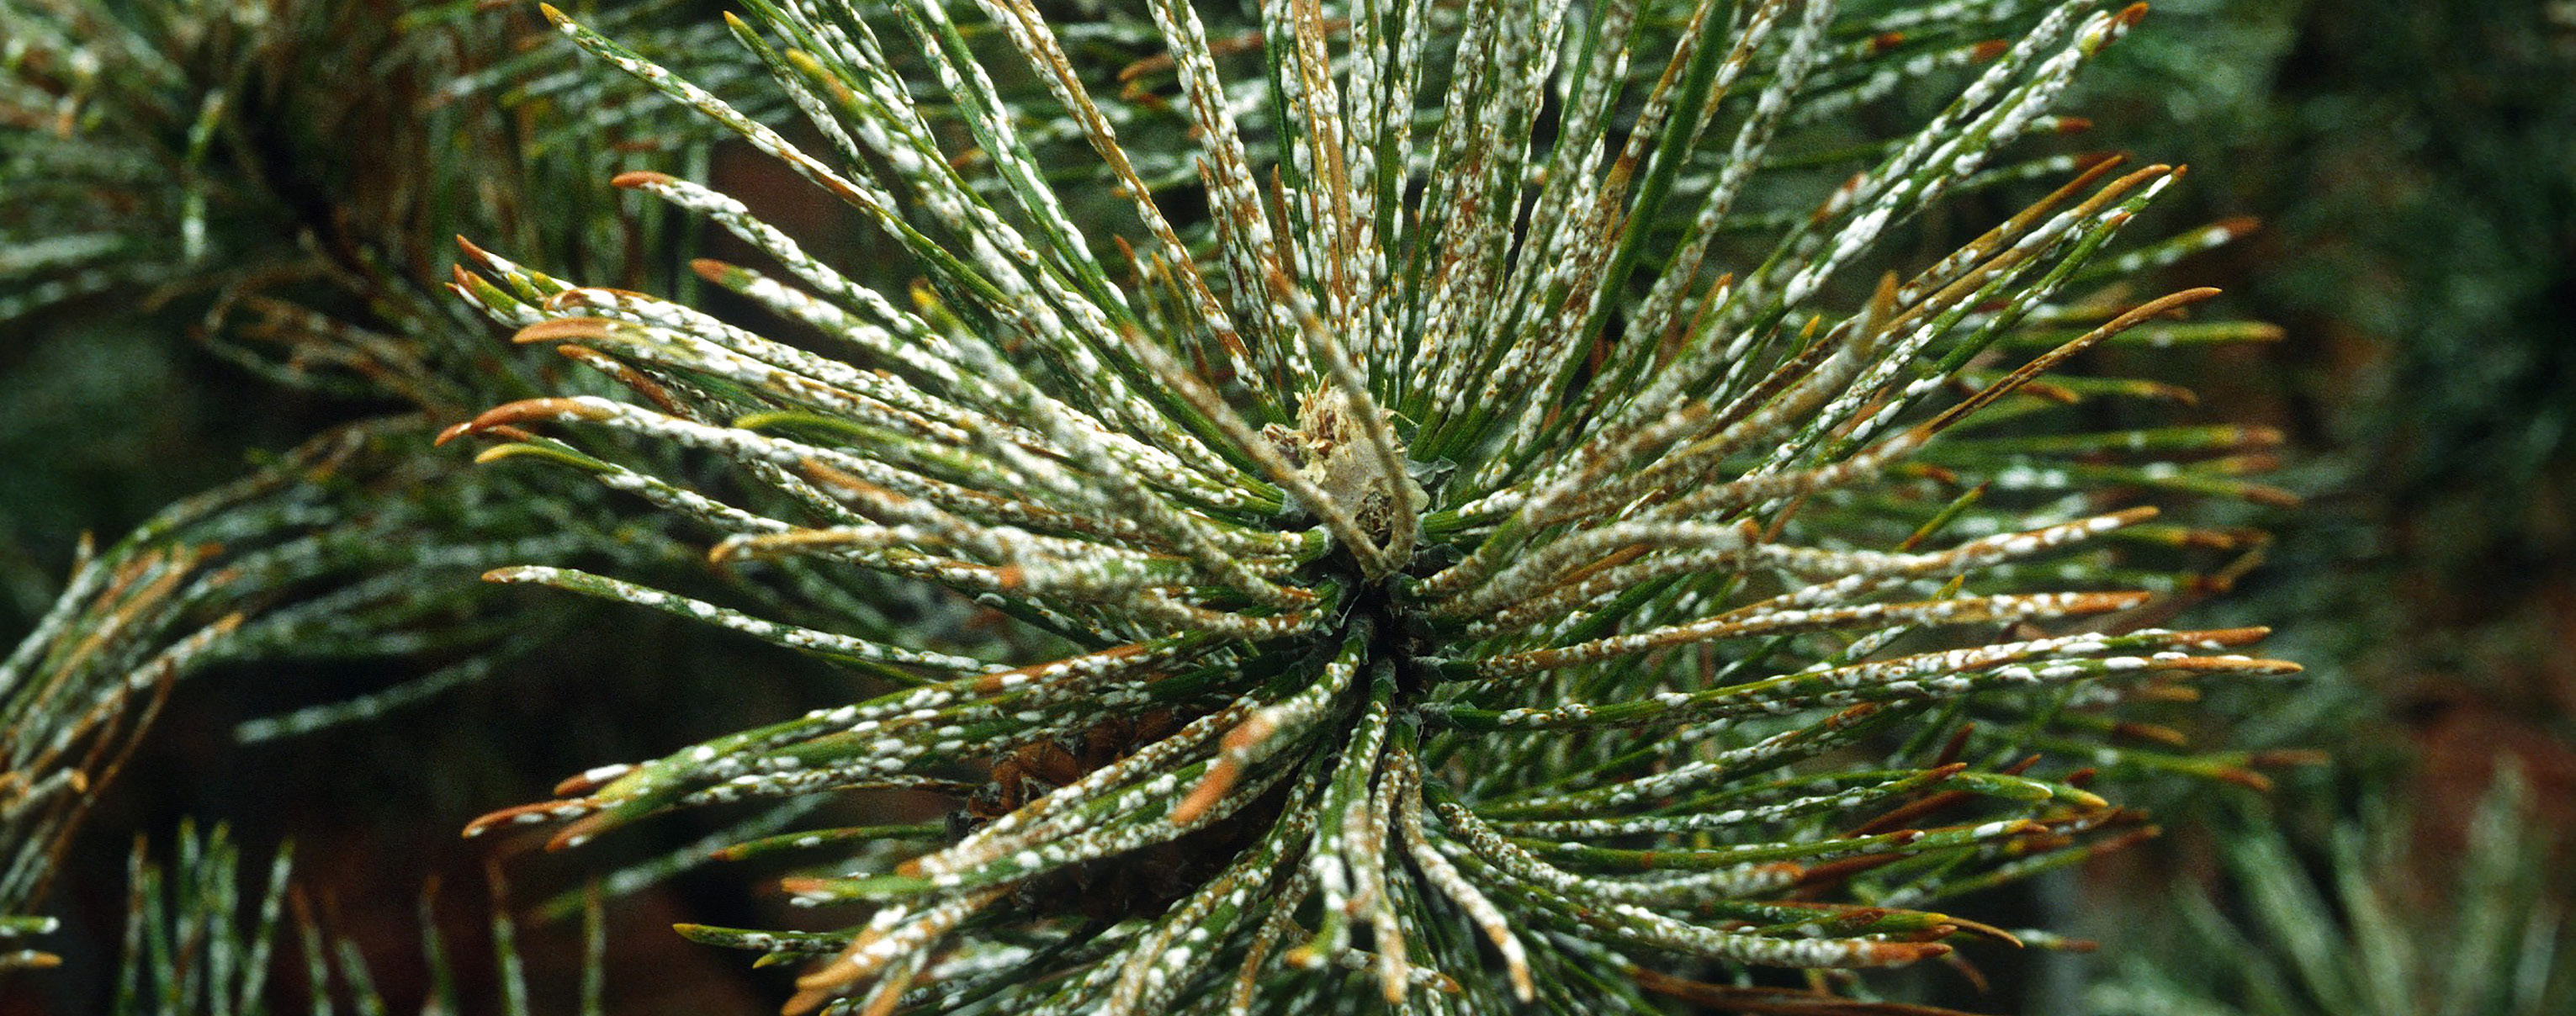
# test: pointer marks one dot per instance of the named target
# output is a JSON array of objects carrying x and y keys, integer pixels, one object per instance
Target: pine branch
[
  {"x": 1489, "y": 514},
  {"x": 2377, "y": 925}
]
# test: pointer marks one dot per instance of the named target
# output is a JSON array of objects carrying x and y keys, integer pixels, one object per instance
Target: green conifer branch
[{"x": 1386, "y": 517}]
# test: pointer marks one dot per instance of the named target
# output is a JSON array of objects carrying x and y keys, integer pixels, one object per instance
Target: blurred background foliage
[{"x": 2413, "y": 167}]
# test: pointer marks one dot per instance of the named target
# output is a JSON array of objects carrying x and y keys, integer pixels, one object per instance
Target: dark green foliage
[
  {"x": 2389, "y": 916},
  {"x": 1368, "y": 679}
]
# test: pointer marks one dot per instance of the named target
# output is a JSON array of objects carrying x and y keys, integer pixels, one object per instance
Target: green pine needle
[{"x": 1490, "y": 541}]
